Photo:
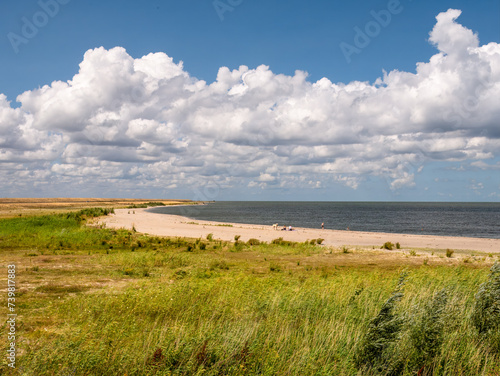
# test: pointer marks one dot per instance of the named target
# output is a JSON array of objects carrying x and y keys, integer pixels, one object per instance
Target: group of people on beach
[{"x": 289, "y": 228}]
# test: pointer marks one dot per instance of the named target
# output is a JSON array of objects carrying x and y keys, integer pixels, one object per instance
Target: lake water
[{"x": 431, "y": 218}]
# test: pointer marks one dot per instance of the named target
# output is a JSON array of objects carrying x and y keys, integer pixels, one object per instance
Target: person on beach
[
  {"x": 290, "y": 228},
  {"x": 323, "y": 226}
]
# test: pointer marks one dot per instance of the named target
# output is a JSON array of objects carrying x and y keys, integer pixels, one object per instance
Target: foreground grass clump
[
  {"x": 381, "y": 334},
  {"x": 486, "y": 313},
  {"x": 114, "y": 302}
]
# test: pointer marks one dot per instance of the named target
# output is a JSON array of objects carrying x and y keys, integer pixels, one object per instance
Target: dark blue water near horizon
[{"x": 469, "y": 219}]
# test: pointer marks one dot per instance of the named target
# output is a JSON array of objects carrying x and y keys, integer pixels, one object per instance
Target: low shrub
[
  {"x": 388, "y": 245},
  {"x": 280, "y": 241}
]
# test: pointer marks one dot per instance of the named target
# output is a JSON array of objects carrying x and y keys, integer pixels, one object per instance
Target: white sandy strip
[{"x": 173, "y": 225}]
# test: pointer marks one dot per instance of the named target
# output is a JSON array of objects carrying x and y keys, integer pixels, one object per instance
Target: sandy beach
[{"x": 173, "y": 225}]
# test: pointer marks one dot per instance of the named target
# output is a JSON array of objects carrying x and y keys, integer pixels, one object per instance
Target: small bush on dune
[
  {"x": 253, "y": 241},
  {"x": 280, "y": 241},
  {"x": 387, "y": 245},
  {"x": 449, "y": 252},
  {"x": 319, "y": 240},
  {"x": 277, "y": 241}
]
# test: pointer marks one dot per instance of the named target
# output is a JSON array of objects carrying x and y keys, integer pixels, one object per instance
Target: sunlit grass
[{"x": 115, "y": 302}]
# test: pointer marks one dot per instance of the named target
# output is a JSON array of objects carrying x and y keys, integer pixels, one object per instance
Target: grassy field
[{"x": 96, "y": 301}]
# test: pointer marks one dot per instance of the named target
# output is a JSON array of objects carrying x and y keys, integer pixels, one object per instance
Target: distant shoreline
[{"x": 174, "y": 225}]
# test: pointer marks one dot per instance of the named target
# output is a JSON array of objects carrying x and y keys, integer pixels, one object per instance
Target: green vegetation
[
  {"x": 486, "y": 312},
  {"x": 376, "y": 348},
  {"x": 427, "y": 332},
  {"x": 253, "y": 241},
  {"x": 387, "y": 245},
  {"x": 316, "y": 241},
  {"x": 145, "y": 205},
  {"x": 449, "y": 252},
  {"x": 98, "y": 301}
]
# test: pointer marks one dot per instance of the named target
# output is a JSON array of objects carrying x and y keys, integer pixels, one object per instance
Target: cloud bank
[{"x": 134, "y": 124}]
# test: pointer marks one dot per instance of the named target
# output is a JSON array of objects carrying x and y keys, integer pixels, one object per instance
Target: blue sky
[{"x": 285, "y": 37}]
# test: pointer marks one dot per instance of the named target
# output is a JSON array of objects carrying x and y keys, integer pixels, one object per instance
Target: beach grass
[{"x": 98, "y": 301}]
